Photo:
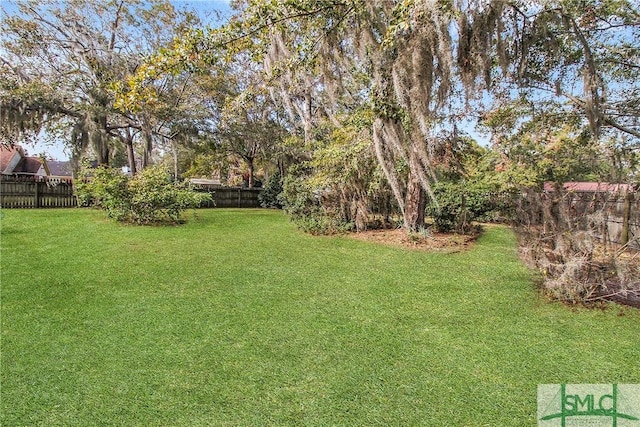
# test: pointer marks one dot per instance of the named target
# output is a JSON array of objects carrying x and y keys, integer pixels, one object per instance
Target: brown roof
[
  {"x": 7, "y": 153},
  {"x": 14, "y": 161},
  {"x": 28, "y": 165},
  {"x": 591, "y": 187}
]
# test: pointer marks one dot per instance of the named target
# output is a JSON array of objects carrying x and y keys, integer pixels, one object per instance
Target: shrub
[
  {"x": 155, "y": 198},
  {"x": 270, "y": 196},
  {"x": 459, "y": 204},
  {"x": 147, "y": 198},
  {"x": 303, "y": 203},
  {"x": 341, "y": 186},
  {"x": 105, "y": 188}
]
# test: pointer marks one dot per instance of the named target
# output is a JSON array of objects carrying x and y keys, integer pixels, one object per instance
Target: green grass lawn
[{"x": 237, "y": 319}]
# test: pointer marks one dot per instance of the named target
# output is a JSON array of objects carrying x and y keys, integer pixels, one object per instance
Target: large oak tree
[
  {"x": 60, "y": 63},
  {"x": 424, "y": 67}
]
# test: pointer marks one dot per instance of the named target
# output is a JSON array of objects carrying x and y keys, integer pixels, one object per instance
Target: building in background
[{"x": 13, "y": 161}]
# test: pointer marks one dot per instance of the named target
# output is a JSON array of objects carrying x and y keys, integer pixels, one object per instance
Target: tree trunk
[
  {"x": 415, "y": 204},
  {"x": 148, "y": 141},
  {"x": 100, "y": 139},
  {"x": 131, "y": 157},
  {"x": 175, "y": 160},
  {"x": 251, "y": 169}
]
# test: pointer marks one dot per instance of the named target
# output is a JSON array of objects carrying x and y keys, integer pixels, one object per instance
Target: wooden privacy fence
[
  {"x": 231, "y": 197},
  {"x": 45, "y": 192},
  {"x": 36, "y": 192},
  {"x": 620, "y": 213}
]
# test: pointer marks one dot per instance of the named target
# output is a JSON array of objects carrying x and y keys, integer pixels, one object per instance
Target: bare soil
[{"x": 431, "y": 242}]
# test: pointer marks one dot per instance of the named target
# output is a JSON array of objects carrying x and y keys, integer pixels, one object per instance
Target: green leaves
[
  {"x": 457, "y": 205},
  {"x": 148, "y": 198}
]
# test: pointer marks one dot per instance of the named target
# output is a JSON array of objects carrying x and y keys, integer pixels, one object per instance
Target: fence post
[
  {"x": 37, "y": 195},
  {"x": 626, "y": 217}
]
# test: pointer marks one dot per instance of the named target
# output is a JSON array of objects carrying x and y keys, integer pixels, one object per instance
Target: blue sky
[{"x": 205, "y": 8}]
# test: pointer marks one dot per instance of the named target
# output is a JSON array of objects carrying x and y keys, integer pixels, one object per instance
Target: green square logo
[{"x": 589, "y": 405}]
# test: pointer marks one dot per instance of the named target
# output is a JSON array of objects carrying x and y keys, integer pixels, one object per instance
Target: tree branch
[
  {"x": 283, "y": 19},
  {"x": 114, "y": 26}
]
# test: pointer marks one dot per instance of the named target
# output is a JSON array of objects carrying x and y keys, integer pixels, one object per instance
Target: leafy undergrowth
[{"x": 236, "y": 318}]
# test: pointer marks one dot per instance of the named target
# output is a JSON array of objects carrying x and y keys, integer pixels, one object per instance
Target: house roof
[
  {"x": 58, "y": 168},
  {"x": 591, "y": 187},
  {"x": 205, "y": 182},
  {"x": 7, "y": 153},
  {"x": 28, "y": 165},
  {"x": 14, "y": 161}
]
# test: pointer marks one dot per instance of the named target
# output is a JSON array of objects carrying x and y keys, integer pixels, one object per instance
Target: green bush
[
  {"x": 459, "y": 204},
  {"x": 105, "y": 188},
  {"x": 147, "y": 198},
  {"x": 270, "y": 195},
  {"x": 302, "y": 202}
]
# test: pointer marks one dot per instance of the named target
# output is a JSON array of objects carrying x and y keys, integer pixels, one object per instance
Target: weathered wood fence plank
[
  {"x": 232, "y": 197},
  {"x": 36, "y": 192},
  {"x": 620, "y": 212}
]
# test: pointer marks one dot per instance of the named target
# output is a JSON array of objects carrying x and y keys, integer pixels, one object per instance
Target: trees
[
  {"x": 421, "y": 68},
  {"x": 586, "y": 54},
  {"x": 60, "y": 62},
  {"x": 250, "y": 126},
  {"x": 340, "y": 186},
  {"x": 418, "y": 88},
  {"x": 551, "y": 146},
  {"x": 230, "y": 110},
  {"x": 571, "y": 84}
]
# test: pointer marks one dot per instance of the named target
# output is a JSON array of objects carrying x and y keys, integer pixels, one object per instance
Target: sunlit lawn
[{"x": 238, "y": 319}]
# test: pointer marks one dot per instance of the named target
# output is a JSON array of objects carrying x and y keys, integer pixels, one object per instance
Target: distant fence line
[
  {"x": 34, "y": 192},
  {"x": 231, "y": 197},
  {"x": 620, "y": 212}
]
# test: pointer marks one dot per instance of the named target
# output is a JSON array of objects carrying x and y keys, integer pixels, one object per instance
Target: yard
[{"x": 238, "y": 319}]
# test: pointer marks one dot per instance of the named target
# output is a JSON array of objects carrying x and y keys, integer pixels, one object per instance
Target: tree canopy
[
  {"x": 424, "y": 66},
  {"x": 552, "y": 81},
  {"x": 61, "y": 61}
]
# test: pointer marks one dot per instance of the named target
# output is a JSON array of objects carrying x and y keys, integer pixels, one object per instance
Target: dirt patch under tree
[{"x": 422, "y": 241}]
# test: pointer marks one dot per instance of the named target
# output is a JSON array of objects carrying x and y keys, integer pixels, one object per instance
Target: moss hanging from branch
[{"x": 20, "y": 121}]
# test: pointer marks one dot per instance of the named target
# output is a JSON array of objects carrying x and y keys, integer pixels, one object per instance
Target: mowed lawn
[{"x": 238, "y": 319}]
